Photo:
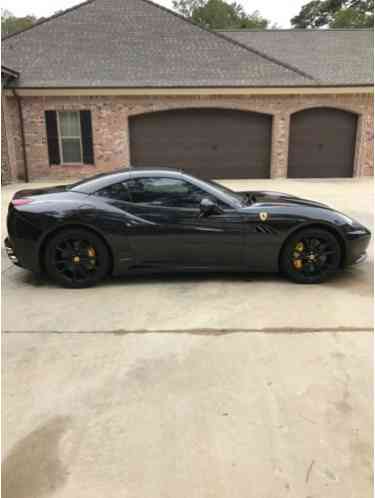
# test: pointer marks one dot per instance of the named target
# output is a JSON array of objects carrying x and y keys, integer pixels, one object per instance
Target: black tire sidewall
[
  {"x": 286, "y": 265},
  {"x": 97, "y": 243}
]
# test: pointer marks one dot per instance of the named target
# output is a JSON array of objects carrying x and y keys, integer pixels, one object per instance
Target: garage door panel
[
  {"x": 210, "y": 143},
  {"x": 322, "y": 143}
]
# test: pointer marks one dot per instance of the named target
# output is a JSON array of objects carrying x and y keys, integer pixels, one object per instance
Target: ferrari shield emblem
[{"x": 263, "y": 216}]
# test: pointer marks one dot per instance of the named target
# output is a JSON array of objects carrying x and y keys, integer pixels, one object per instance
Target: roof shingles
[
  {"x": 138, "y": 44},
  {"x": 135, "y": 43},
  {"x": 333, "y": 57}
]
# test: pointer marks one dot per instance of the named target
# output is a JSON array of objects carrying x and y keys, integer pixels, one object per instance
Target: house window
[
  {"x": 69, "y": 137},
  {"x": 70, "y": 141}
]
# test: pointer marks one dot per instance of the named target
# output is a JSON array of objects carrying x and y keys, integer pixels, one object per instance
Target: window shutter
[
  {"x": 86, "y": 130},
  {"x": 52, "y": 137}
]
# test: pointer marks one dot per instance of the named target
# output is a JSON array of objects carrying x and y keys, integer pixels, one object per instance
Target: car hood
[{"x": 271, "y": 198}]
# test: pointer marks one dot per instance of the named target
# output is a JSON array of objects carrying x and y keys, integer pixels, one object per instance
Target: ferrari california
[{"x": 144, "y": 219}]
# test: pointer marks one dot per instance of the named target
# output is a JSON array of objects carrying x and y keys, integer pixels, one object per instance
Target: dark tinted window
[
  {"x": 117, "y": 191},
  {"x": 167, "y": 192}
]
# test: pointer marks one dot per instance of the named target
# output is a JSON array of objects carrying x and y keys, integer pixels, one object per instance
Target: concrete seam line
[{"x": 212, "y": 332}]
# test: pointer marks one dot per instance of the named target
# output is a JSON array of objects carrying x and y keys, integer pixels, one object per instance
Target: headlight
[
  {"x": 343, "y": 219},
  {"x": 347, "y": 220}
]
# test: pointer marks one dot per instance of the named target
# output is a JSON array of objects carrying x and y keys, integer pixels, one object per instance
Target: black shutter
[
  {"x": 52, "y": 137},
  {"x": 86, "y": 131}
]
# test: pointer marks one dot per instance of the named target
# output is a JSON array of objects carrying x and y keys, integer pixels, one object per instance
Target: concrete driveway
[{"x": 205, "y": 386}]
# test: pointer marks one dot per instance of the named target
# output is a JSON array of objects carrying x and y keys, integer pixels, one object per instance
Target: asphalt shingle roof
[
  {"x": 139, "y": 44},
  {"x": 135, "y": 43},
  {"x": 333, "y": 57}
]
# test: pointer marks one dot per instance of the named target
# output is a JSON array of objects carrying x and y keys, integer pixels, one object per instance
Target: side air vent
[{"x": 265, "y": 229}]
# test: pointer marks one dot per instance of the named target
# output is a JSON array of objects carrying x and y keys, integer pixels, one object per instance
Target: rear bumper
[
  {"x": 10, "y": 251},
  {"x": 22, "y": 253}
]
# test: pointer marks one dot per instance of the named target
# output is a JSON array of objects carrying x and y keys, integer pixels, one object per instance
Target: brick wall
[
  {"x": 13, "y": 138},
  {"x": 110, "y": 127},
  {"x": 5, "y": 164},
  {"x": 367, "y": 160}
]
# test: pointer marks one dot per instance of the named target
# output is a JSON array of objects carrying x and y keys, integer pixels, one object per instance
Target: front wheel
[
  {"x": 311, "y": 256},
  {"x": 76, "y": 258}
]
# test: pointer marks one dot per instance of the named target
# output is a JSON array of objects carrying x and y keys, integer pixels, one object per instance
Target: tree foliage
[
  {"x": 186, "y": 7},
  {"x": 11, "y": 23},
  {"x": 335, "y": 14},
  {"x": 218, "y": 14}
]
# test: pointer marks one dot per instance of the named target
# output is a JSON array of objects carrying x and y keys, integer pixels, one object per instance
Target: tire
[
  {"x": 76, "y": 258},
  {"x": 310, "y": 256}
]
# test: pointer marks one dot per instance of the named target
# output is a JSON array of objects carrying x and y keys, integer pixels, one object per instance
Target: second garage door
[
  {"x": 209, "y": 143},
  {"x": 322, "y": 142}
]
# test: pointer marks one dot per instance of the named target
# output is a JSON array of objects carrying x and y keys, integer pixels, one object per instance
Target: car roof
[
  {"x": 102, "y": 180},
  {"x": 145, "y": 171}
]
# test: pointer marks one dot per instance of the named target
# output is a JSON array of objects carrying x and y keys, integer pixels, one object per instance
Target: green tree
[
  {"x": 11, "y": 23},
  {"x": 335, "y": 14},
  {"x": 218, "y": 14},
  {"x": 357, "y": 15},
  {"x": 186, "y": 7}
]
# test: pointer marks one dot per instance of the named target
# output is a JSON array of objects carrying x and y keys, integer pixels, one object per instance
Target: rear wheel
[
  {"x": 311, "y": 256},
  {"x": 76, "y": 258}
]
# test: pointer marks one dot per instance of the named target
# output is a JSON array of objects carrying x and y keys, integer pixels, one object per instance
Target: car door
[{"x": 176, "y": 234}]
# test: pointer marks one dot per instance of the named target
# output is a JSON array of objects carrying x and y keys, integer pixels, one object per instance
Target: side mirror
[{"x": 208, "y": 206}]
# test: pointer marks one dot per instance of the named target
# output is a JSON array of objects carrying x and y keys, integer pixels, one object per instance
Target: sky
[{"x": 277, "y": 11}]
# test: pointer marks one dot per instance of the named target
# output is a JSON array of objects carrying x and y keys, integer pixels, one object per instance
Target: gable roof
[
  {"x": 333, "y": 57},
  {"x": 137, "y": 44}
]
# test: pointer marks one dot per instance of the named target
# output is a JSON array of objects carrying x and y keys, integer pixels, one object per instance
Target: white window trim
[{"x": 60, "y": 137}]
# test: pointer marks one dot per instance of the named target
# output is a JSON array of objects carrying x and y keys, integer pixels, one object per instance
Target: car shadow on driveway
[
  {"x": 27, "y": 278},
  {"x": 359, "y": 280}
]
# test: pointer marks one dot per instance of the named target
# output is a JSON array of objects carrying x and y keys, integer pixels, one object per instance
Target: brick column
[
  {"x": 127, "y": 139},
  {"x": 280, "y": 145},
  {"x": 363, "y": 157},
  {"x": 8, "y": 137},
  {"x": 6, "y": 176}
]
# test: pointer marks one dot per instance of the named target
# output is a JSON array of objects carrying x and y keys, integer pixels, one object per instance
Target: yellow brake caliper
[
  {"x": 92, "y": 255},
  {"x": 297, "y": 261}
]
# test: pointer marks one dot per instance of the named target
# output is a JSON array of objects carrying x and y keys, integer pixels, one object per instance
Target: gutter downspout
[{"x": 20, "y": 114}]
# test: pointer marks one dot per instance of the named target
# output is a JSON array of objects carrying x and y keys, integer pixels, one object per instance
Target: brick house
[{"x": 114, "y": 82}]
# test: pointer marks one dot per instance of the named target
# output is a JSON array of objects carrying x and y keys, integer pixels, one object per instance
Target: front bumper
[
  {"x": 356, "y": 246},
  {"x": 361, "y": 259}
]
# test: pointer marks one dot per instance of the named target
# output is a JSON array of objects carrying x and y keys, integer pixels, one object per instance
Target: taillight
[{"x": 21, "y": 202}]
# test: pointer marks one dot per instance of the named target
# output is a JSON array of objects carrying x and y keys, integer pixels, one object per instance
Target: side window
[
  {"x": 167, "y": 192},
  {"x": 117, "y": 191}
]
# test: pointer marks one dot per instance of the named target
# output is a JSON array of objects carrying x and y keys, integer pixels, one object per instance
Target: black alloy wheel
[
  {"x": 311, "y": 256},
  {"x": 76, "y": 258}
]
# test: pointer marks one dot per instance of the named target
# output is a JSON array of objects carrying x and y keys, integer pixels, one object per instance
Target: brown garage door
[
  {"x": 322, "y": 143},
  {"x": 209, "y": 143}
]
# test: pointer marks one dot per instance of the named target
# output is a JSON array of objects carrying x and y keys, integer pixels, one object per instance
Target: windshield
[{"x": 227, "y": 191}]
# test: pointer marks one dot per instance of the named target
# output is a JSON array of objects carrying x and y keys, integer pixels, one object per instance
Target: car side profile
[{"x": 143, "y": 219}]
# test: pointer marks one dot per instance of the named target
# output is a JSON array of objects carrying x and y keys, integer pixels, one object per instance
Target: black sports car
[{"x": 137, "y": 220}]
